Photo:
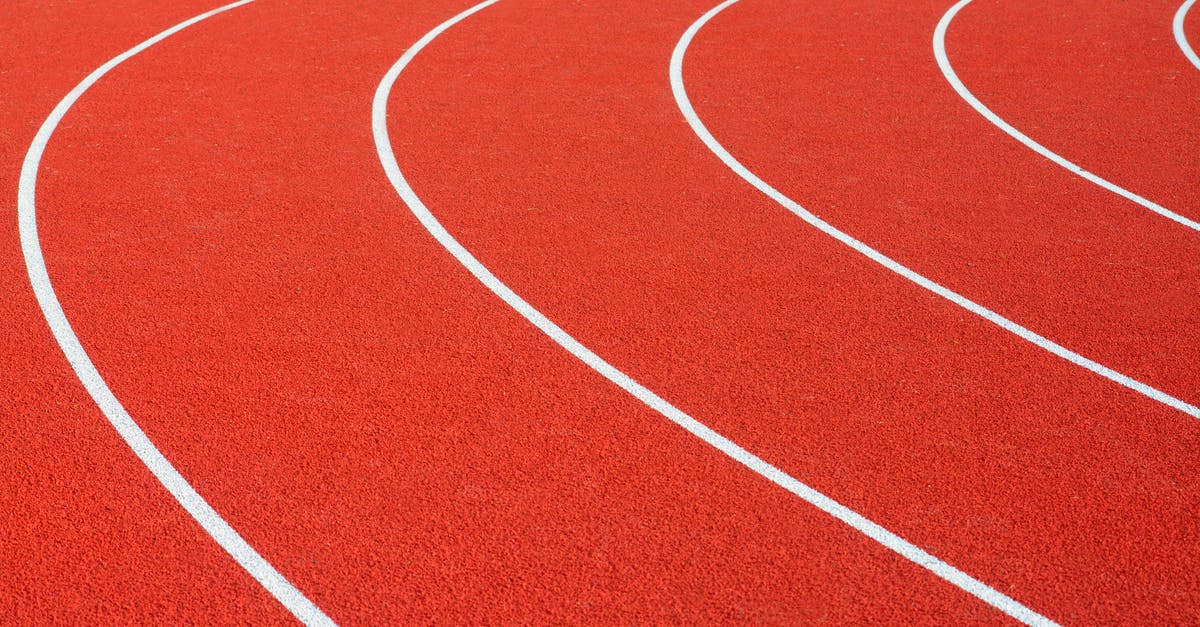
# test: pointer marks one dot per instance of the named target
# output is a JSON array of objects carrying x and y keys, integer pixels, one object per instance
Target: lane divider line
[
  {"x": 212, "y": 522},
  {"x": 685, "y": 107},
  {"x": 939, "y": 51},
  {"x": 1181, "y": 36},
  {"x": 848, "y": 516}
]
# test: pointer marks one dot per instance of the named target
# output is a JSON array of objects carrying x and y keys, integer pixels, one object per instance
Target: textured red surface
[
  {"x": 1106, "y": 86},
  {"x": 1191, "y": 26},
  {"x": 87, "y": 533},
  {"x": 931, "y": 183},
  {"x": 401, "y": 445}
]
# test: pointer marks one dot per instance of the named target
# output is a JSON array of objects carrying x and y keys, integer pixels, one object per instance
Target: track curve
[
  {"x": 93, "y": 381},
  {"x": 943, "y": 60},
  {"x": 562, "y": 338}
]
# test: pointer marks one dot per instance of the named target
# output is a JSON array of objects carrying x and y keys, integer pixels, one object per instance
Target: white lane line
[
  {"x": 685, "y": 106},
  {"x": 939, "y": 51},
  {"x": 890, "y": 540},
  {"x": 39, "y": 278},
  {"x": 1181, "y": 36}
]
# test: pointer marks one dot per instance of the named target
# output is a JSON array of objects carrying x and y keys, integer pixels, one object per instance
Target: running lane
[
  {"x": 385, "y": 432},
  {"x": 576, "y": 181},
  {"x": 930, "y": 183},
  {"x": 1101, "y": 83},
  {"x": 89, "y": 535},
  {"x": 1184, "y": 27}
]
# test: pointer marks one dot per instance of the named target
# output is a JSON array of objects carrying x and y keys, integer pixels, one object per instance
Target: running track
[{"x": 397, "y": 443}]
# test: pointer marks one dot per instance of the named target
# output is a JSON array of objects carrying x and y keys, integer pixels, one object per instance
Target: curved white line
[
  {"x": 39, "y": 278},
  {"x": 939, "y": 51},
  {"x": 685, "y": 106},
  {"x": 1181, "y": 36},
  {"x": 890, "y": 540}
]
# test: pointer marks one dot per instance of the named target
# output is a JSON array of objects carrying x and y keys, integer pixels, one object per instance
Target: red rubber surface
[
  {"x": 402, "y": 446},
  {"x": 1106, "y": 86},
  {"x": 87, "y": 533},
  {"x": 1191, "y": 26}
]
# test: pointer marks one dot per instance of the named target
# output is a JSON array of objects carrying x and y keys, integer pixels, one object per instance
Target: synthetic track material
[
  {"x": 407, "y": 447},
  {"x": 1177, "y": 25},
  {"x": 975, "y": 308},
  {"x": 939, "y": 51},
  {"x": 1105, "y": 87},
  {"x": 39, "y": 278},
  {"x": 1109, "y": 89},
  {"x": 473, "y": 471},
  {"x": 669, "y": 411},
  {"x": 862, "y": 130},
  {"x": 89, "y": 534},
  {"x": 808, "y": 354}
]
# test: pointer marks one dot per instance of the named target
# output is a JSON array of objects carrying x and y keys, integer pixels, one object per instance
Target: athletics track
[{"x": 764, "y": 311}]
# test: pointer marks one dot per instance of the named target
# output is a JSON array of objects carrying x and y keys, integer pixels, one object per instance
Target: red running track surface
[
  {"x": 402, "y": 446},
  {"x": 87, "y": 531},
  {"x": 1103, "y": 85}
]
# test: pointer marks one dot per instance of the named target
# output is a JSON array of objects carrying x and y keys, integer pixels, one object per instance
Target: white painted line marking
[
  {"x": 890, "y": 540},
  {"x": 685, "y": 106},
  {"x": 1181, "y": 36},
  {"x": 939, "y": 51},
  {"x": 39, "y": 278}
]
